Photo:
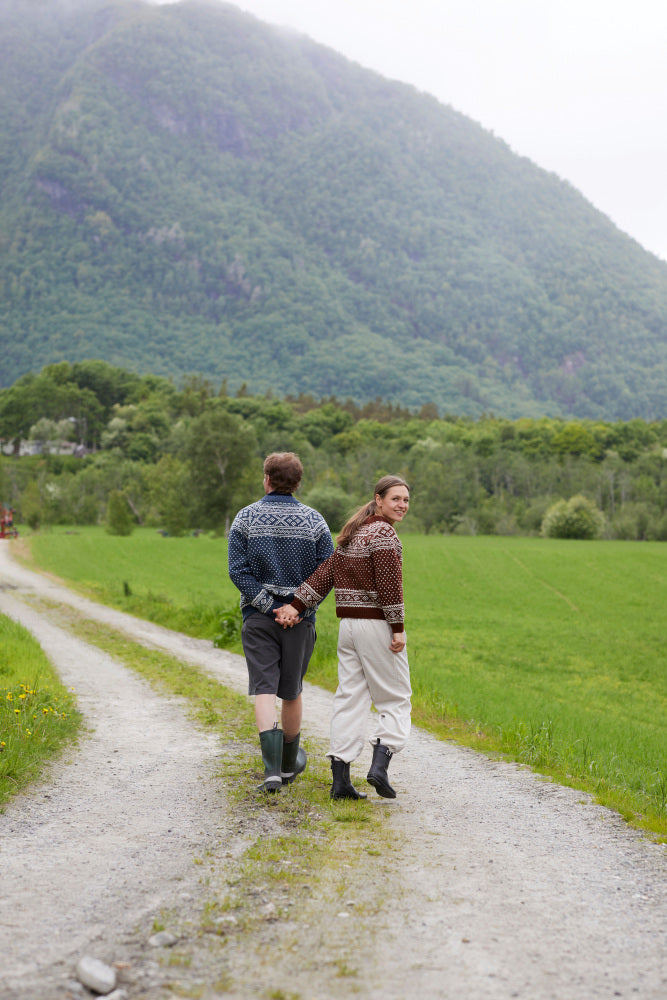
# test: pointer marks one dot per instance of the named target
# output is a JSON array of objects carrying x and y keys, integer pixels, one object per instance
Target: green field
[{"x": 554, "y": 652}]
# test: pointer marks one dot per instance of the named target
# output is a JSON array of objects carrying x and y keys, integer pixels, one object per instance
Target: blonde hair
[{"x": 353, "y": 523}]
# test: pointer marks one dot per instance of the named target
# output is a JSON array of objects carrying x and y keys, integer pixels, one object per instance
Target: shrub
[
  {"x": 333, "y": 504},
  {"x": 577, "y": 517},
  {"x": 231, "y": 622}
]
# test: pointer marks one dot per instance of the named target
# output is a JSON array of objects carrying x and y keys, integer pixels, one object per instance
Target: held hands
[
  {"x": 398, "y": 640},
  {"x": 287, "y": 616}
]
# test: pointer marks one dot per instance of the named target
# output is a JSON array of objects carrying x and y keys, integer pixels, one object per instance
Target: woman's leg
[
  {"x": 352, "y": 699},
  {"x": 387, "y": 675}
]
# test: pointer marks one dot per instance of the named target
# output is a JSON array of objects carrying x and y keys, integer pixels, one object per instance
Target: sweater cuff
[
  {"x": 398, "y": 627},
  {"x": 299, "y": 605}
]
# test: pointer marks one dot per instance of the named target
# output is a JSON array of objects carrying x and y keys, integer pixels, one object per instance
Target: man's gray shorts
[{"x": 277, "y": 657}]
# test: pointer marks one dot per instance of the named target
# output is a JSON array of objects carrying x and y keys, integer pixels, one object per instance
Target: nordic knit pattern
[
  {"x": 273, "y": 545},
  {"x": 365, "y": 574}
]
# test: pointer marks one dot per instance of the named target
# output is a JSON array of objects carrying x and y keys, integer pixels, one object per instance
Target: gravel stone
[{"x": 96, "y": 975}]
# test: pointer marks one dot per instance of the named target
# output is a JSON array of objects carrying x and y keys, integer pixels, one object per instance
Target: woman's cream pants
[{"x": 368, "y": 672}]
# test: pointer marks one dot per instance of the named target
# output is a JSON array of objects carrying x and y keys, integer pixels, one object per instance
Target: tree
[
  {"x": 170, "y": 492},
  {"x": 31, "y": 505},
  {"x": 119, "y": 517},
  {"x": 51, "y": 433},
  {"x": 221, "y": 450}
]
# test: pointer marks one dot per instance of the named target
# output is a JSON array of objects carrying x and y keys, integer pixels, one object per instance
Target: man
[{"x": 274, "y": 544}]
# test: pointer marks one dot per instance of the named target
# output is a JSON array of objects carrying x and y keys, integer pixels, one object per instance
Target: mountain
[{"x": 185, "y": 189}]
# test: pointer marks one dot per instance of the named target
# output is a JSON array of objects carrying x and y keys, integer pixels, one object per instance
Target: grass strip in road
[{"x": 313, "y": 827}]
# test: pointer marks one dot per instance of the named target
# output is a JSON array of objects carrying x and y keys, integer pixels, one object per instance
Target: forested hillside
[{"x": 187, "y": 190}]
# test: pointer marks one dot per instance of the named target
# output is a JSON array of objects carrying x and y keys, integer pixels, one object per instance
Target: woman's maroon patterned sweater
[{"x": 365, "y": 574}]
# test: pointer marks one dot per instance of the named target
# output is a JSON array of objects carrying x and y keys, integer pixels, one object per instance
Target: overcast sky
[{"x": 578, "y": 86}]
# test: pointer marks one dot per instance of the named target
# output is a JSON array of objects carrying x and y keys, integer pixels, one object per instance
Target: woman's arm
[
  {"x": 385, "y": 554},
  {"x": 311, "y": 593},
  {"x": 313, "y": 590}
]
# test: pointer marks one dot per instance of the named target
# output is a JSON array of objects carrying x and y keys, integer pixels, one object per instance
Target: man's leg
[
  {"x": 262, "y": 653},
  {"x": 294, "y": 756},
  {"x": 265, "y": 711},
  {"x": 290, "y": 717},
  {"x": 297, "y": 647}
]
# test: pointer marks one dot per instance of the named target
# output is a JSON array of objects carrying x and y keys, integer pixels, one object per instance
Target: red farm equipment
[{"x": 7, "y": 529}]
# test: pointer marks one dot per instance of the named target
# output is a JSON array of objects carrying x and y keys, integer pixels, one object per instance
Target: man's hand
[{"x": 287, "y": 616}]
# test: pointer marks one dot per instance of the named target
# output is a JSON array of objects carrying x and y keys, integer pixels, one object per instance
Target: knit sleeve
[
  {"x": 313, "y": 590},
  {"x": 385, "y": 551},
  {"x": 323, "y": 544},
  {"x": 240, "y": 572}
]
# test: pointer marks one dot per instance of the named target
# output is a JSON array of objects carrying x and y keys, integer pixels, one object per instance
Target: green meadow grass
[
  {"x": 181, "y": 583},
  {"x": 557, "y": 649},
  {"x": 553, "y": 652},
  {"x": 37, "y": 714}
]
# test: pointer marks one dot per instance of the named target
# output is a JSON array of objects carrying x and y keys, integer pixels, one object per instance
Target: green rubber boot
[
  {"x": 271, "y": 742},
  {"x": 294, "y": 760}
]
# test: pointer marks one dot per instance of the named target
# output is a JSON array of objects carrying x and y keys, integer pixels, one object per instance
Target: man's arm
[
  {"x": 241, "y": 574},
  {"x": 323, "y": 545}
]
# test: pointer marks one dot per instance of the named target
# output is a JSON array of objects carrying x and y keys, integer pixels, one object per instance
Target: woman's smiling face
[{"x": 394, "y": 504}]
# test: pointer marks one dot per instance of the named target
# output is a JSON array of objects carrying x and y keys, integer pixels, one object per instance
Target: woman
[{"x": 365, "y": 573}]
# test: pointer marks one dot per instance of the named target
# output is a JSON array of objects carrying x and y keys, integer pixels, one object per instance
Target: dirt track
[{"x": 500, "y": 884}]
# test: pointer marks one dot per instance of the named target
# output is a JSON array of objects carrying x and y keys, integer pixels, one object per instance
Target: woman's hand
[
  {"x": 287, "y": 616},
  {"x": 398, "y": 640}
]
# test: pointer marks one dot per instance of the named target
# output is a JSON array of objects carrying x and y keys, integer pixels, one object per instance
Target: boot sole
[
  {"x": 386, "y": 791},
  {"x": 270, "y": 786}
]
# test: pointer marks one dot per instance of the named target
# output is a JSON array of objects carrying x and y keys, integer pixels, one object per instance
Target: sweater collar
[{"x": 282, "y": 497}]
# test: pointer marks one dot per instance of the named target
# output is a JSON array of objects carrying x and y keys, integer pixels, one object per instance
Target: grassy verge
[{"x": 38, "y": 716}]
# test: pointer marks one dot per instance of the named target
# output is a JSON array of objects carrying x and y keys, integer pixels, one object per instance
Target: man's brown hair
[{"x": 284, "y": 470}]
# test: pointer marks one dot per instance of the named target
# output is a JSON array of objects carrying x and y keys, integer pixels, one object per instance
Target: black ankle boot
[
  {"x": 341, "y": 786},
  {"x": 377, "y": 776}
]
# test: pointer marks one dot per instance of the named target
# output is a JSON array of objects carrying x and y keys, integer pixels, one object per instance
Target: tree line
[{"x": 186, "y": 458}]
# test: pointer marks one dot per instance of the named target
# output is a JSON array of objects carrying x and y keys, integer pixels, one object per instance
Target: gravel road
[{"x": 500, "y": 884}]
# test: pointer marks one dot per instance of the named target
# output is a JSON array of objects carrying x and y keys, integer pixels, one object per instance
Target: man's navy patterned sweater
[{"x": 274, "y": 544}]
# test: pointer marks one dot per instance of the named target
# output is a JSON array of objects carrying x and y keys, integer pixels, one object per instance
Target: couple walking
[{"x": 282, "y": 560}]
